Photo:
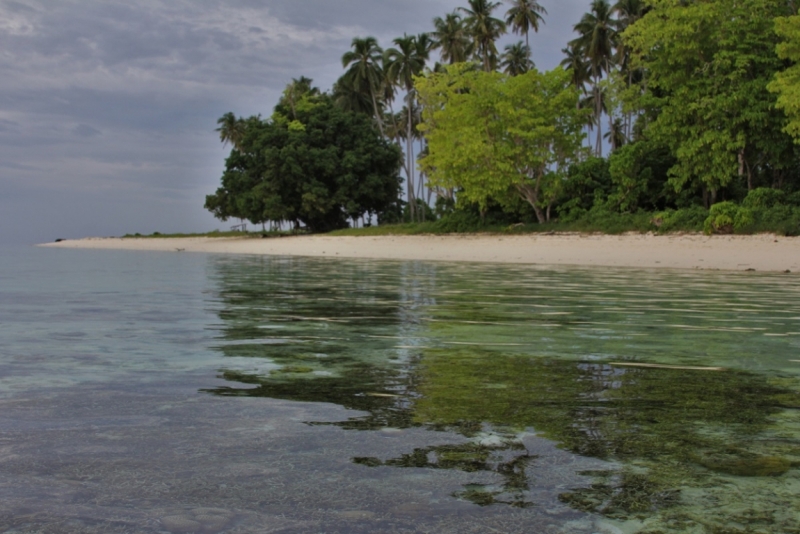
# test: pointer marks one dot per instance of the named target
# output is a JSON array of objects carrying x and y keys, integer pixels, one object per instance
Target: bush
[
  {"x": 602, "y": 219},
  {"x": 780, "y": 219},
  {"x": 764, "y": 197},
  {"x": 793, "y": 199},
  {"x": 727, "y": 217},
  {"x": 721, "y": 217},
  {"x": 682, "y": 220}
]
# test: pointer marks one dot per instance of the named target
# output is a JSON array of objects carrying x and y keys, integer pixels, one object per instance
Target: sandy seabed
[{"x": 737, "y": 253}]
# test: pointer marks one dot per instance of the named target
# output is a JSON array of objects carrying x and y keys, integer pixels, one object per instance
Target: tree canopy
[
  {"x": 708, "y": 66},
  {"x": 312, "y": 163},
  {"x": 493, "y": 135}
]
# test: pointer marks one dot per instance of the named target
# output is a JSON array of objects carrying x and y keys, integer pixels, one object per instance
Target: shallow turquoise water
[{"x": 160, "y": 392}]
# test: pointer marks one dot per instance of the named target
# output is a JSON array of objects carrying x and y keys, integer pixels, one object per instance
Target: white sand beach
[{"x": 736, "y": 253}]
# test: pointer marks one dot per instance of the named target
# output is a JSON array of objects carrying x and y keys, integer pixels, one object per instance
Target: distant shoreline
[{"x": 761, "y": 252}]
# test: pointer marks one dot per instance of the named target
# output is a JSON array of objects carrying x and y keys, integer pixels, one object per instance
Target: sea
[{"x": 174, "y": 392}]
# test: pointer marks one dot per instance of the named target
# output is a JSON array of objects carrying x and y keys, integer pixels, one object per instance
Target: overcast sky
[{"x": 108, "y": 108}]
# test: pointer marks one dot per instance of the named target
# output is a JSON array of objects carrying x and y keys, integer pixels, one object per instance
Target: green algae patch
[
  {"x": 294, "y": 369},
  {"x": 621, "y": 495},
  {"x": 746, "y": 465},
  {"x": 591, "y": 408}
]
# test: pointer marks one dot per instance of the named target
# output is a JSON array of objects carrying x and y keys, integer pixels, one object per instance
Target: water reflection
[{"x": 500, "y": 353}]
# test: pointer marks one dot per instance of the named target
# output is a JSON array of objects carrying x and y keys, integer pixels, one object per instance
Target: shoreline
[{"x": 762, "y": 252}]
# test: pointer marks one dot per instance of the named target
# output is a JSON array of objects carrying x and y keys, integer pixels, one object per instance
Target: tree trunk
[
  {"x": 412, "y": 201},
  {"x": 377, "y": 113},
  {"x": 598, "y": 110},
  {"x": 531, "y": 195}
]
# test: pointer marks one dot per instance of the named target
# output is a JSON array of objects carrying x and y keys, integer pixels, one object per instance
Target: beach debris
[{"x": 660, "y": 366}]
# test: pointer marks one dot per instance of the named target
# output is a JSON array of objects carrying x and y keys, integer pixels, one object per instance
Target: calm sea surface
[{"x": 175, "y": 393}]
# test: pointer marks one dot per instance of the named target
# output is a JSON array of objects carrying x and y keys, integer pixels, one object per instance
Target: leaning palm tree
[
  {"x": 516, "y": 59},
  {"x": 452, "y": 38},
  {"x": 485, "y": 30},
  {"x": 231, "y": 130},
  {"x": 364, "y": 73},
  {"x": 402, "y": 64},
  {"x": 597, "y": 37},
  {"x": 524, "y": 16}
]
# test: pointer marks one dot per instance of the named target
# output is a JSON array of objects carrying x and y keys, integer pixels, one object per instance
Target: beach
[{"x": 762, "y": 252}]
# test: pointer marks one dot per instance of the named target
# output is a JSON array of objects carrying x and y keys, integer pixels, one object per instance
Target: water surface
[{"x": 160, "y": 392}]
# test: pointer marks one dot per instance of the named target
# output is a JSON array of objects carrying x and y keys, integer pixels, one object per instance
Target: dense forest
[{"x": 663, "y": 115}]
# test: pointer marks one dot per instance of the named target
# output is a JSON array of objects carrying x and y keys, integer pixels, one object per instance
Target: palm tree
[
  {"x": 231, "y": 130},
  {"x": 485, "y": 30},
  {"x": 402, "y": 64},
  {"x": 628, "y": 13},
  {"x": 616, "y": 134},
  {"x": 350, "y": 98},
  {"x": 516, "y": 59},
  {"x": 364, "y": 73},
  {"x": 425, "y": 43},
  {"x": 597, "y": 37},
  {"x": 575, "y": 63},
  {"x": 525, "y": 15},
  {"x": 452, "y": 38}
]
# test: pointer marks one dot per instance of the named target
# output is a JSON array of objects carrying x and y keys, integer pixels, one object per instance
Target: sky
[{"x": 108, "y": 108}]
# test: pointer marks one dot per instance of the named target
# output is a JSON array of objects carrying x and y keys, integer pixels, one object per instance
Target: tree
[
  {"x": 494, "y": 136},
  {"x": 628, "y": 12},
  {"x": 516, "y": 59},
  {"x": 231, "y": 130},
  {"x": 597, "y": 39},
  {"x": 452, "y": 38},
  {"x": 787, "y": 83},
  {"x": 616, "y": 134},
  {"x": 323, "y": 167},
  {"x": 364, "y": 74},
  {"x": 524, "y": 16},
  {"x": 708, "y": 65},
  {"x": 402, "y": 65},
  {"x": 295, "y": 91},
  {"x": 484, "y": 29}
]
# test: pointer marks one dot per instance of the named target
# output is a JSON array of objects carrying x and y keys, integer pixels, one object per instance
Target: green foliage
[
  {"x": 764, "y": 197},
  {"x": 312, "y": 162},
  {"x": 690, "y": 219},
  {"x": 787, "y": 83},
  {"x": 721, "y": 217},
  {"x": 761, "y": 212},
  {"x": 588, "y": 183},
  {"x": 497, "y": 137},
  {"x": 602, "y": 219},
  {"x": 708, "y": 66},
  {"x": 639, "y": 172}
]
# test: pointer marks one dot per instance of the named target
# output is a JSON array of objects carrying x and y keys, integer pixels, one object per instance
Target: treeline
[{"x": 698, "y": 104}]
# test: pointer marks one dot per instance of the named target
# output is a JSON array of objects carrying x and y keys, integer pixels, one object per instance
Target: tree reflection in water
[{"x": 379, "y": 339}]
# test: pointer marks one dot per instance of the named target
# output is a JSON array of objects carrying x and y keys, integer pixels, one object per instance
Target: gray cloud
[
  {"x": 108, "y": 107},
  {"x": 84, "y": 130}
]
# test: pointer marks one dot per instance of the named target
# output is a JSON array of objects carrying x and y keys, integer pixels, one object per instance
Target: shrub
[
  {"x": 682, "y": 220},
  {"x": 764, "y": 197},
  {"x": 721, "y": 218}
]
